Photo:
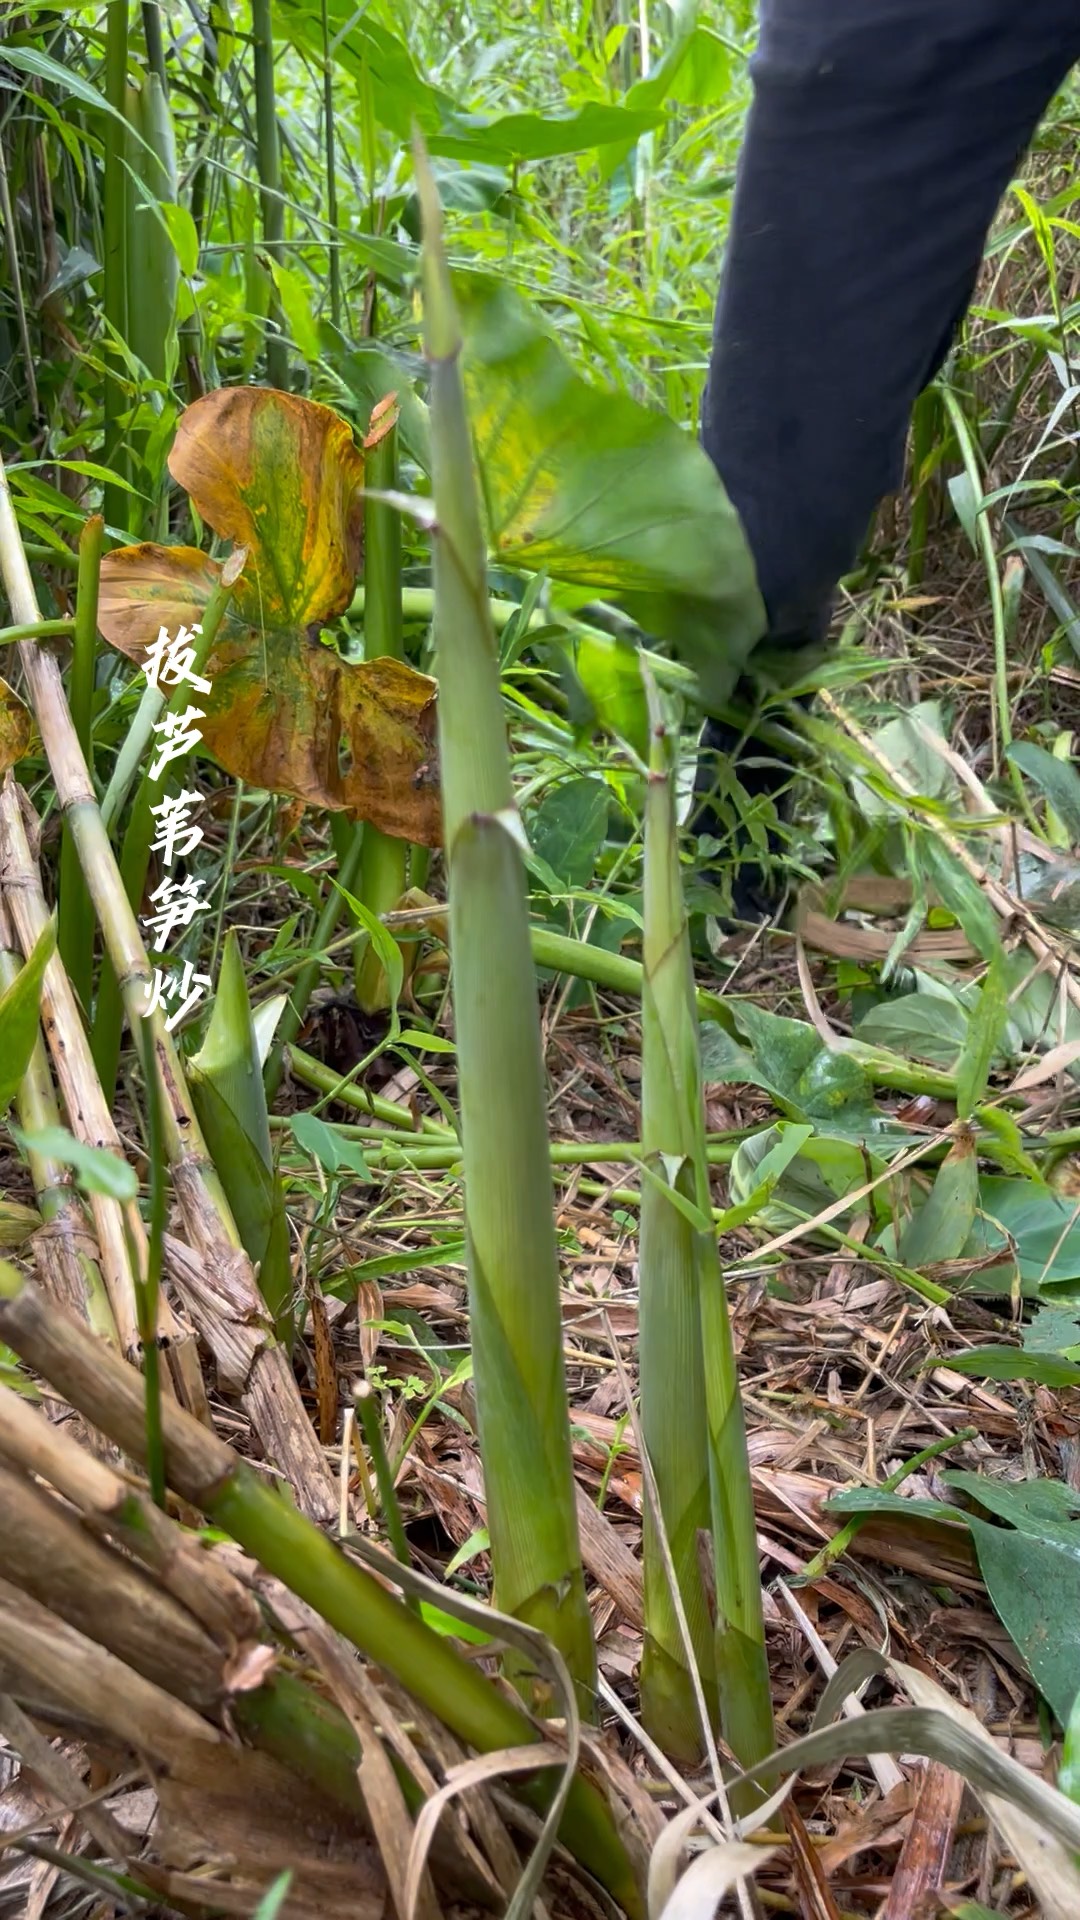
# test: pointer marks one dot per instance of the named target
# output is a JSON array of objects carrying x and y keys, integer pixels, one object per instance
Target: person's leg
[{"x": 881, "y": 138}]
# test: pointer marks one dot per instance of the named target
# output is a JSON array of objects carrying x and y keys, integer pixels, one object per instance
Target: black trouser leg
[{"x": 881, "y": 138}]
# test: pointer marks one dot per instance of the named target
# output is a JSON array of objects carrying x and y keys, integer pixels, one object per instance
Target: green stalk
[
  {"x": 742, "y": 1671},
  {"x": 370, "y": 1418},
  {"x": 672, "y": 1380},
  {"x": 383, "y": 860},
  {"x": 307, "y": 979},
  {"x": 37, "y": 630},
  {"x": 152, "y": 270},
  {"x": 208, "y": 1474},
  {"x": 75, "y": 936},
  {"x": 269, "y": 163},
  {"x": 509, "y": 1202},
  {"x": 335, "y": 1086},
  {"x": 135, "y": 855},
  {"x": 330, "y": 146},
  {"x": 155, "y": 45},
  {"x": 115, "y": 291},
  {"x": 190, "y": 327}
]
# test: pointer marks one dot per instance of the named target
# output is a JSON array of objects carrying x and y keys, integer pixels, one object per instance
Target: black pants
[{"x": 883, "y": 134}]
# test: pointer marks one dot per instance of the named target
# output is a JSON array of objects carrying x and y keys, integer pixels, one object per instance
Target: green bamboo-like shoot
[
  {"x": 226, "y": 1083},
  {"x": 152, "y": 268},
  {"x": 75, "y": 911},
  {"x": 153, "y": 271},
  {"x": 330, "y": 149},
  {"x": 672, "y": 1379},
  {"x": 269, "y": 162},
  {"x": 741, "y": 1665},
  {"x": 211, "y": 1477},
  {"x": 115, "y": 284},
  {"x": 383, "y": 859},
  {"x": 512, "y": 1253}
]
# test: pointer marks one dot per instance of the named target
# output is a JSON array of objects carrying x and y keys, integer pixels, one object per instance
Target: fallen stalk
[{"x": 207, "y": 1473}]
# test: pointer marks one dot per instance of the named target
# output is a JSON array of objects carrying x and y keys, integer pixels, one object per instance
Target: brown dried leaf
[
  {"x": 16, "y": 727},
  {"x": 282, "y": 477}
]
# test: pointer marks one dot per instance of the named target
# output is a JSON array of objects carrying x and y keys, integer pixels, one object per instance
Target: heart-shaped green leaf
[{"x": 594, "y": 488}]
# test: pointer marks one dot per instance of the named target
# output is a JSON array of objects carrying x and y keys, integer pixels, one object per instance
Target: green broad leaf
[
  {"x": 569, "y": 827},
  {"x": 791, "y": 1141},
  {"x": 462, "y": 189},
  {"x": 694, "y": 70},
  {"x": 19, "y": 1016},
  {"x": 823, "y": 1171},
  {"x": 986, "y": 1030},
  {"x": 791, "y": 1062},
  {"x": 877, "y": 1500},
  {"x": 1056, "y": 779},
  {"x": 96, "y": 1170},
  {"x": 919, "y": 1026},
  {"x": 965, "y": 900},
  {"x": 593, "y": 488},
  {"x": 1009, "y": 1363},
  {"x": 370, "y": 54},
  {"x": 1033, "y": 1580},
  {"x": 967, "y": 504},
  {"x": 333, "y": 1150},
  {"x": 910, "y": 754},
  {"x": 1037, "y": 1018},
  {"x": 514, "y": 139},
  {"x": 608, "y": 668},
  {"x": 1054, "y": 1330},
  {"x": 940, "y": 1229},
  {"x": 183, "y": 234},
  {"x": 1030, "y": 1505},
  {"x": 66, "y": 79},
  {"x": 370, "y": 372},
  {"x": 1035, "y": 1231},
  {"x": 294, "y": 291}
]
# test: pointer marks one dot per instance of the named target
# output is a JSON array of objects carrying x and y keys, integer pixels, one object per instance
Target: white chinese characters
[{"x": 177, "y": 900}]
